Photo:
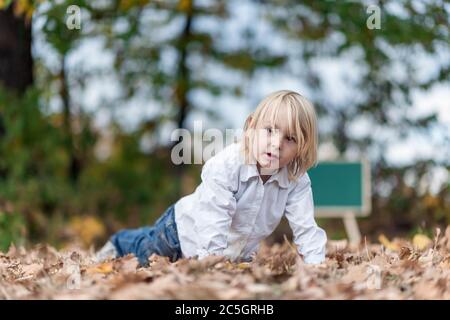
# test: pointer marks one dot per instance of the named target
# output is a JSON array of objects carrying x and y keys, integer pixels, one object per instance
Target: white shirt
[{"x": 231, "y": 211}]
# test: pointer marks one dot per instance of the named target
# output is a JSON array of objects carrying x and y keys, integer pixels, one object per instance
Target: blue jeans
[{"x": 161, "y": 239}]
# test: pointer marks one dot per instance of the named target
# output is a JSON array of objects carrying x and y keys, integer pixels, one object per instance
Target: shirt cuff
[{"x": 314, "y": 258}]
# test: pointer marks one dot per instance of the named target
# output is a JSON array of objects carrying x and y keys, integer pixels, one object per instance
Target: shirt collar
[{"x": 282, "y": 177}]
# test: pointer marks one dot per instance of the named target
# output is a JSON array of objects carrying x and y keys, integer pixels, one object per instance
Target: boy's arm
[
  {"x": 216, "y": 207},
  {"x": 309, "y": 238}
]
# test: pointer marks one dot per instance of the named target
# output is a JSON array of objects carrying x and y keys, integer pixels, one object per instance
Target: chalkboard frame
[{"x": 342, "y": 211}]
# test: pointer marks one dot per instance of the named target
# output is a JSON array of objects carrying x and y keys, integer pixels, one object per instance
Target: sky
[{"x": 103, "y": 88}]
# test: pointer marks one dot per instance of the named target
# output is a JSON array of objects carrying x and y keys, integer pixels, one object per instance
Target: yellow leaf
[
  {"x": 243, "y": 265},
  {"x": 101, "y": 268},
  {"x": 125, "y": 4},
  {"x": 185, "y": 5},
  {"x": 388, "y": 244},
  {"x": 421, "y": 241},
  {"x": 29, "y": 13},
  {"x": 128, "y": 4},
  {"x": 87, "y": 228},
  {"x": 228, "y": 265},
  {"x": 22, "y": 6},
  {"x": 431, "y": 201}
]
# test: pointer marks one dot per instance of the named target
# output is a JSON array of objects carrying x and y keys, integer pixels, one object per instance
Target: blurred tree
[
  {"x": 63, "y": 40},
  {"x": 16, "y": 63},
  {"x": 385, "y": 78},
  {"x": 167, "y": 54},
  {"x": 163, "y": 53},
  {"x": 128, "y": 183},
  {"x": 16, "y": 74}
]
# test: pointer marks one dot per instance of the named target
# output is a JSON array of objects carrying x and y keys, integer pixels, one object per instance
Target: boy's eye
[
  {"x": 269, "y": 129},
  {"x": 291, "y": 139}
]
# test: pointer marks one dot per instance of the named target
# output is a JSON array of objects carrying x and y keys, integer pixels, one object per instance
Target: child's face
[{"x": 274, "y": 148}]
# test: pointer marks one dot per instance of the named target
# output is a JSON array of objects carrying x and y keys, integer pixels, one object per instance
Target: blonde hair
[{"x": 302, "y": 124}]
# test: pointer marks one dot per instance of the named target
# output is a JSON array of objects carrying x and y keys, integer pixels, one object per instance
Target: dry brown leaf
[
  {"x": 388, "y": 244},
  {"x": 405, "y": 270},
  {"x": 421, "y": 241},
  {"x": 104, "y": 268}
]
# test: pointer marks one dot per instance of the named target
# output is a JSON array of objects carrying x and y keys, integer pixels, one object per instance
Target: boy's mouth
[{"x": 271, "y": 155}]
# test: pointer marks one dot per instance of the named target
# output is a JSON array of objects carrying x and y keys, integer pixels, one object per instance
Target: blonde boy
[{"x": 246, "y": 189}]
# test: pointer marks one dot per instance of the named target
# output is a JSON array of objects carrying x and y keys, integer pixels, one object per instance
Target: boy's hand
[{"x": 318, "y": 266}]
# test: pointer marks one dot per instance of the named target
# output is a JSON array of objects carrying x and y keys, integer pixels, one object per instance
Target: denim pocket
[
  {"x": 171, "y": 236},
  {"x": 164, "y": 240}
]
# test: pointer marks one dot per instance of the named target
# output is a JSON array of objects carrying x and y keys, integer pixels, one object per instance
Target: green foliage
[
  {"x": 12, "y": 230},
  {"x": 57, "y": 34},
  {"x": 384, "y": 81},
  {"x": 163, "y": 53},
  {"x": 128, "y": 188}
]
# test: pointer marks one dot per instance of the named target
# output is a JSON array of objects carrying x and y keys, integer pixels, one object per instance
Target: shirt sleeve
[
  {"x": 308, "y": 237},
  {"x": 215, "y": 208}
]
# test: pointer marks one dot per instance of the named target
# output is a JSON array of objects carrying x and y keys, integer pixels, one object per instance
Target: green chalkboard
[{"x": 340, "y": 186}]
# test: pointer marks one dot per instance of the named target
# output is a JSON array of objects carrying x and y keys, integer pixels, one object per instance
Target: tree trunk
[
  {"x": 182, "y": 90},
  {"x": 74, "y": 164},
  {"x": 16, "y": 63},
  {"x": 341, "y": 136}
]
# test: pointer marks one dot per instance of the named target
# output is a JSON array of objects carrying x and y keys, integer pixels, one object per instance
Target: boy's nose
[{"x": 276, "y": 140}]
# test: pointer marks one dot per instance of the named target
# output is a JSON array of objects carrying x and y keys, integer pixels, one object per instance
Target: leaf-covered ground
[{"x": 397, "y": 269}]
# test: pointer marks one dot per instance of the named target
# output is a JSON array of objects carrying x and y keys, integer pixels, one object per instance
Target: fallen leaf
[
  {"x": 104, "y": 268},
  {"x": 244, "y": 265},
  {"x": 388, "y": 244},
  {"x": 402, "y": 271},
  {"x": 421, "y": 241}
]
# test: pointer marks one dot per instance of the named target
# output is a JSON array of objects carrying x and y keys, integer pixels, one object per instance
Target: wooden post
[{"x": 351, "y": 227}]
